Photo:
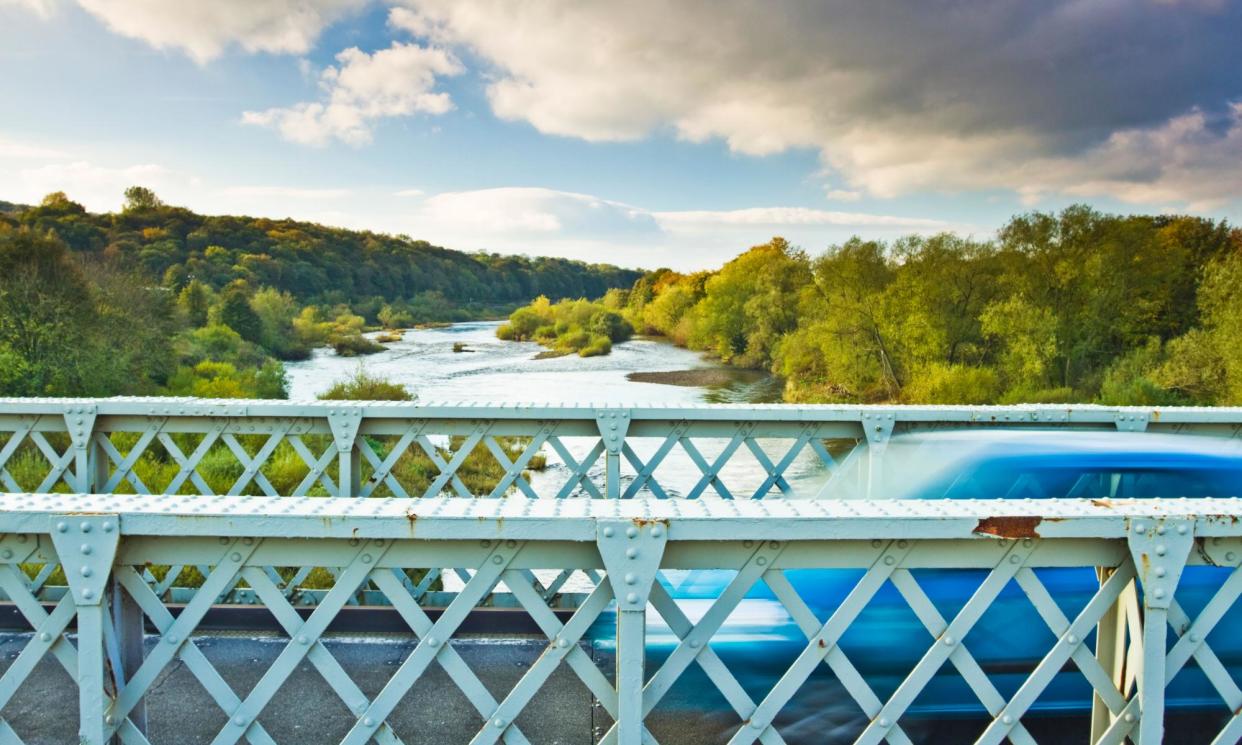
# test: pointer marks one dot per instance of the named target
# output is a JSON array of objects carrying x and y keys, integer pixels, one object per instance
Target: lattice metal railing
[
  {"x": 202, "y": 447},
  {"x": 1161, "y": 613}
]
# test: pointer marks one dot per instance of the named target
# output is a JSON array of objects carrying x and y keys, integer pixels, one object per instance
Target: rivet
[
  {"x": 369, "y": 722},
  {"x": 235, "y": 556},
  {"x": 774, "y": 545},
  {"x": 1230, "y": 556},
  {"x": 1194, "y": 637},
  {"x": 88, "y": 593},
  {"x": 248, "y": 541},
  {"x": 1160, "y": 530},
  {"x": 511, "y": 544},
  {"x": 747, "y": 544},
  {"x": 1140, "y": 528},
  {"x": 657, "y": 531},
  {"x": 1129, "y": 717},
  {"x": 1160, "y": 572},
  {"x": 1181, "y": 530},
  {"x": 890, "y": 560},
  {"x": 45, "y": 637},
  {"x": 757, "y": 723},
  {"x": 484, "y": 544},
  {"x": 1007, "y": 719},
  {"x": 608, "y": 532},
  {"x": 366, "y": 558},
  {"x": 86, "y": 549},
  {"x": 562, "y": 643},
  {"x": 1071, "y": 639},
  {"x": 61, "y": 527},
  {"x": 631, "y": 553},
  {"x": 85, "y": 527},
  {"x": 239, "y": 720},
  {"x": 1015, "y": 559},
  {"x": 224, "y": 541},
  {"x": 1159, "y": 592},
  {"x": 86, "y": 571},
  {"x": 6, "y": 553},
  {"x": 380, "y": 543},
  {"x": 109, "y": 719},
  {"x": 695, "y": 643},
  {"x": 884, "y": 722},
  {"x": 107, "y": 527},
  {"x": 432, "y": 641},
  {"x": 631, "y": 578},
  {"x": 948, "y": 641},
  {"x": 499, "y": 723},
  {"x": 876, "y": 543},
  {"x": 303, "y": 640},
  {"x": 761, "y": 560},
  {"x": 171, "y": 638},
  {"x": 902, "y": 544},
  {"x": 1161, "y": 550},
  {"x": 631, "y": 598},
  {"x": 498, "y": 560}
]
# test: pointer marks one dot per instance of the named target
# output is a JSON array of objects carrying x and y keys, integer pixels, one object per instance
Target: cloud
[
  {"x": 398, "y": 81},
  {"x": 535, "y": 212},
  {"x": 409, "y": 193},
  {"x": 284, "y": 192},
  {"x": 100, "y": 188},
  {"x": 895, "y": 97},
  {"x": 41, "y": 8},
  {"x": 552, "y": 222},
  {"x": 204, "y": 28},
  {"x": 14, "y": 150}
]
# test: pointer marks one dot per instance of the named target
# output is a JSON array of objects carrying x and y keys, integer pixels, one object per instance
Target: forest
[
  {"x": 1077, "y": 306},
  {"x": 156, "y": 299}
]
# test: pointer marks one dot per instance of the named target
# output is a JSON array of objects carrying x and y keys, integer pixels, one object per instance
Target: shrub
[{"x": 364, "y": 386}]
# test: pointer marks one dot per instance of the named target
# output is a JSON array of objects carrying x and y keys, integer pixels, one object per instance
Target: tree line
[
  {"x": 1077, "y": 306},
  {"x": 157, "y": 299}
]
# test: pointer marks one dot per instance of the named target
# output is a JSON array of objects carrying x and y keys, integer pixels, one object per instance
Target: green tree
[
  {"x": 236, "y": 313},
  {"x": 141, "y": 198},
  {"x": 194, "y": 302}
]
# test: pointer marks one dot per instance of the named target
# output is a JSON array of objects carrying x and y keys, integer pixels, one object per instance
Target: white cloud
[
  {"x": 409, "y": 193},
  {"x": 398, "y": 81},
  {"x": 15, "y": 150},
  {"x": 550, "y": 222},
  {"x": 883, "y": 92},
  {"x": 284, "y": 192},
  {"x": 534, "y": 212},
  {"x": 41, "y": 8},
  {"x": 100, "y": 188},
  {"x": 204, "y": 28}
]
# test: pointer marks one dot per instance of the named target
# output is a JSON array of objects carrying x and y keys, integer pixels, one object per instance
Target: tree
[
  {"x": 236, "y": 313},
  {"x": 141, "y": 198},
  {"x": 194, "y": 302}
]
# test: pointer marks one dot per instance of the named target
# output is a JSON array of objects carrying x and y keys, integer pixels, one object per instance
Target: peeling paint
[{"x": 1010, "y": 526}]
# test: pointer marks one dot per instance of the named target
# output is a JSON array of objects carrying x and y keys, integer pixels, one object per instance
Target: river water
[{"x": 496, "y": 371}]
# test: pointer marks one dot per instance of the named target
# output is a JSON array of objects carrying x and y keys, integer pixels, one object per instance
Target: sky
[{"x": 641, "y": 133}]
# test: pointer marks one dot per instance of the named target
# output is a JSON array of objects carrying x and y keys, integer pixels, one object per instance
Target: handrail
[
  {"x": 1144, "y": 551},
  {"x": 359, "y": 448}
]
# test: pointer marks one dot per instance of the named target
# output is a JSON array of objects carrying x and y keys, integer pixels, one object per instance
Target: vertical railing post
[
  {"x": 344, "y": 424},
  {"x": 1159, "y": 548},
  {"x": 877, "y": 428},
  {"x": 130, "y": 626},
  {"x": 631, "y": 551},
  {"x": 80, "y": 424},
  {"x": 1110, "y": 651},
  {"x": 613, "y": 424},
  {"x": 86, "y": 548}
]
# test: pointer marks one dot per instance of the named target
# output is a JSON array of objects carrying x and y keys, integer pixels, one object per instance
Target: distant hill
[{"x": 314, "y": 263}]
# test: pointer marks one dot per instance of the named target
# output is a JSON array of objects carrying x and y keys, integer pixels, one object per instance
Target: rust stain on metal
[
  {"x": 1102, "y": 502},
  {"x": 643, "y": 522},
  {"x": 1010, "y": 526}
]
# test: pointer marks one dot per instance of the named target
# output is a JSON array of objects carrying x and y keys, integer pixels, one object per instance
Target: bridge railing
[
  {"x": 360, "y": 449},
  {"x": 1132, "y": 636}
]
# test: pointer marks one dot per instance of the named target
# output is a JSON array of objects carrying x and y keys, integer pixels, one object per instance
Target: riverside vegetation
[
  {"x": 1071, "y": 307},
  {"x": 159, "y": 300}
]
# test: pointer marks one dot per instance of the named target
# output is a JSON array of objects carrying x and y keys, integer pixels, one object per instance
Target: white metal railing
[
  {"x": 1133, "y": 636},
  {"x": 195, "y": 446}
]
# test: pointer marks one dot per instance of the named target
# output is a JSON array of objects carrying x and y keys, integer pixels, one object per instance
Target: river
[{"x": 496, "y": 371}]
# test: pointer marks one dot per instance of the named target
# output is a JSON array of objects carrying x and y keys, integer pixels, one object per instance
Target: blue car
[{"x": 759, "y": 640}]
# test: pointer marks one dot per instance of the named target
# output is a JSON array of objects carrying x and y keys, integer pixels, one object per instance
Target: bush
[
  {"x": 596, "y": 347},
  {"x": 354, "y": 345},
  {"x": 364, "y": 386},
  {"x": 953, "y": 384}
]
